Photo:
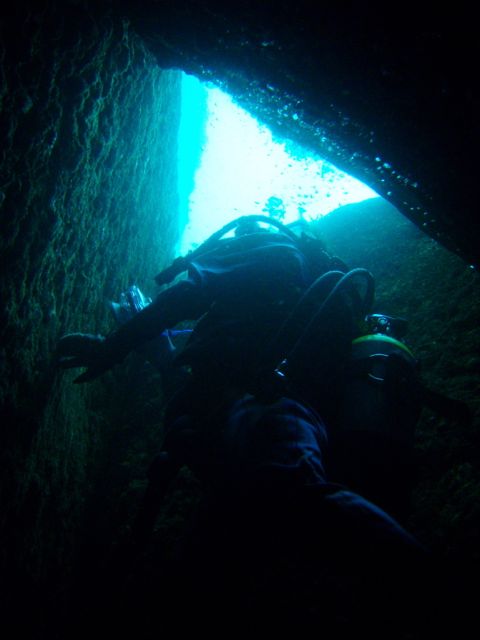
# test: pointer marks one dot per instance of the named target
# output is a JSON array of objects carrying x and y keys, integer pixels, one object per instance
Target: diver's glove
[{"x": 95, "y": 352}]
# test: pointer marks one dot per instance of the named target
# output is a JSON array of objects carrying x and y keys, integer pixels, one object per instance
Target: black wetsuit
[{"x": 274, "y": 541}]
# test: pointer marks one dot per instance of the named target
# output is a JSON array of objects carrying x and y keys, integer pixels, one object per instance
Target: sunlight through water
[{"x": 243, "y": 171}]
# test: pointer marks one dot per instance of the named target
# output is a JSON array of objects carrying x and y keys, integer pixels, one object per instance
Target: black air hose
[
  {"x": 181, "y": 264},
  {"x": 364, "y": 304},
  {"x": 291, "y": 340},
  {"x": 316, "y": 292}
]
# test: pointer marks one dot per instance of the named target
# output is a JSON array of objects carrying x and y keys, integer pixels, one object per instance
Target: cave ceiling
[{"x": 388, "y": 93}]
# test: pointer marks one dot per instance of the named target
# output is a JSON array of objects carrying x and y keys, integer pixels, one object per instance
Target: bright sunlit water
[{"x": 242, "y": 167}]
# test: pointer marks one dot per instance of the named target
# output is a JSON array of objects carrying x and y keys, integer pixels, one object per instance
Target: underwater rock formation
[
  {"x": 439, "y": 297},
  {"x": 89, "y": 206},
  {"x": 89, "y": 107},
  {"x": 388, "y": 95}
]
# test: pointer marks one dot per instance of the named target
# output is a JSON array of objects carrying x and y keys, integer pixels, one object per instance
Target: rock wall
[
  {"x": 88, "y": 203},
  {"x": 88, "y": 196},
  {"x": 389, "y": 101},
  {"x": 438, "y": 294}
]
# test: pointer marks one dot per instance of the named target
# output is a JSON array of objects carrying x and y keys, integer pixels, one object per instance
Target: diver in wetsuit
[{"x": 260, "y": 447}]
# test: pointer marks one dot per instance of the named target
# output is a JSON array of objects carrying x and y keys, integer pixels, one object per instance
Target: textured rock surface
[
  {"x": 386, "y": 93},
  {"x": 88, "y": 206},
  {"x": 439, "y": 296}
]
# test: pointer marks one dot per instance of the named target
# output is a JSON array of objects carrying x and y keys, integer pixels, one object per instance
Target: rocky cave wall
[
  {"x": 88, "y": 125},
  {"x": 88, "y": 196},
  {"x": 389, "y": 97},
  {"x": 439, "y": 295}
]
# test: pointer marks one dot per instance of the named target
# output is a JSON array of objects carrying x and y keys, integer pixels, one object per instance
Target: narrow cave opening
[
  {"x": 90, "y": 204},
  {"x": 243, "y": 169}
]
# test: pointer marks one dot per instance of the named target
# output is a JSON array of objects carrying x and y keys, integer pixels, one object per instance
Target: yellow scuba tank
[
  {"x": 373, "y": 435},
  {"x": 384, "y": 370}
]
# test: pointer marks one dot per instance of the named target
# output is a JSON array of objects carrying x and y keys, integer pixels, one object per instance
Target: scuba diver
[{"x": 287, "y": 367}]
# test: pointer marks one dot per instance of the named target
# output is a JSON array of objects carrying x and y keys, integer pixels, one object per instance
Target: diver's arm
[{"x": 184, "y": 301}]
